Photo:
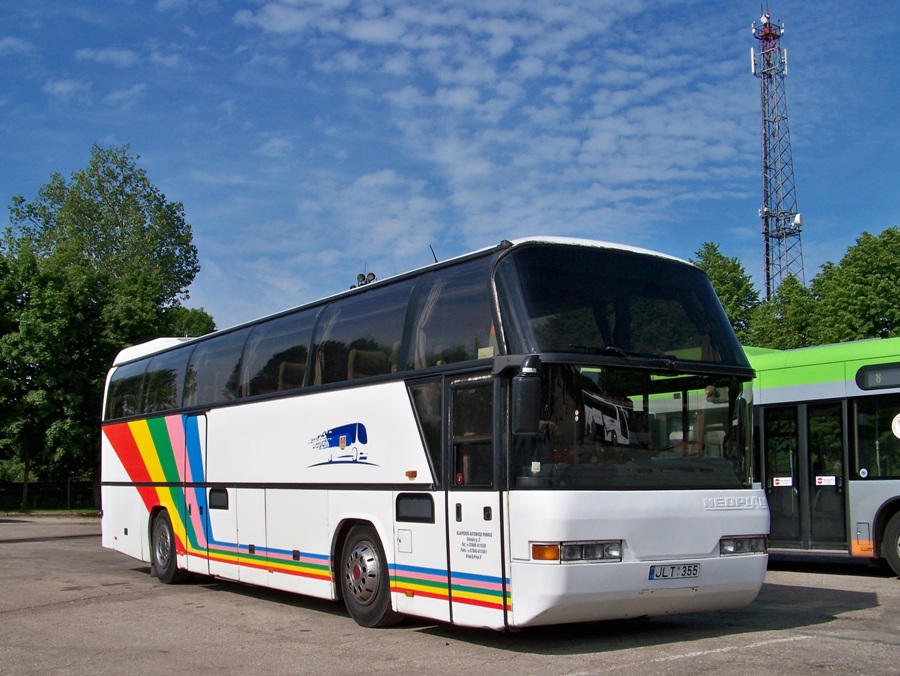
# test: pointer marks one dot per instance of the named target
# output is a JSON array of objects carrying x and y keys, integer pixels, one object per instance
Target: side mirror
[{"x": 526, "y": 397}]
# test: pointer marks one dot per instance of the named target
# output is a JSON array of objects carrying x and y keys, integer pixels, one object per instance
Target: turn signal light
[
  {"x": 572, "y": 552},
  {"x": 545, "y": 552}
]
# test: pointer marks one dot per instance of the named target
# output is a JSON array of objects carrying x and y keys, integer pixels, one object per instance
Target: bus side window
[
  {"x": 428, "y": 405},
  {"x": 473, "y": 446},
  {"x": 212, "y": 374},
  {"x": 276, "y": 353},
  {"x": 358, "y": 336},
  {"x": 124, "y": 396},
  {"x": 453, "y": 318},
  {"x": 165, "y": 381}
]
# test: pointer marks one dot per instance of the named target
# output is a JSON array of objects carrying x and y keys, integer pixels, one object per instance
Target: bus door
[
  {"x": 803, "y": 460},
  {"x": 826, "y": 443},
  {"x": 222, "y": 521},
  {"x": 196, "y": 506},
  {"x": 419, "y": 578},
  {"x": 478, "y": 588}
]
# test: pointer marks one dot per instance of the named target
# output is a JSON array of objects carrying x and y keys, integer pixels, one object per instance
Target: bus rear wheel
[
  {"x": 163, "y": 555},
  {"x": 892, "y": 543},
  {"x": 366, "y": 584}
]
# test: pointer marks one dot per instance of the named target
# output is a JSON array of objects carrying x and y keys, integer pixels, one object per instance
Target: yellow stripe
[
  {"x": 141, "y": 432},
  {"x": 487, "y": 598},
  {"x": 433, "y": 588}
]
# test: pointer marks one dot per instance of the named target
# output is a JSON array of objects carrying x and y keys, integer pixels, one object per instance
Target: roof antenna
[{"x": 432, "y": 253}]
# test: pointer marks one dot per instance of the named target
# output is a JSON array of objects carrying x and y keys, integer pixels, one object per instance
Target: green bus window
[{"x": 877, "y": 448}]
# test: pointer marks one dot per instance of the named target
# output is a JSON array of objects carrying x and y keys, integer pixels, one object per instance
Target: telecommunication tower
[{"x": 781, "y": 222}]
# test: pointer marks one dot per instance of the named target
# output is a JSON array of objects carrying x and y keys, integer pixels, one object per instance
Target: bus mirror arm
[{"x": 526, "y": 397}]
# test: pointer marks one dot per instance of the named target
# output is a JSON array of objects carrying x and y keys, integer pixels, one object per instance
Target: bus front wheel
[
  {"x": 365, "y": 580},
  {"x": 892, "y": 543},
  {"x": 163, "y": 551}
]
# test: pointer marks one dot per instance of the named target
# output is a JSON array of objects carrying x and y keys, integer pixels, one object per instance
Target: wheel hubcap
[
  {"x": 363, "y": 573},
  {"x": 162, "y": 547}
]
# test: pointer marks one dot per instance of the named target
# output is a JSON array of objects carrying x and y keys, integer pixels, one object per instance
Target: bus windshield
[
  {"x": 593, "y": 300},
  {"x": 617, "y": 428}
]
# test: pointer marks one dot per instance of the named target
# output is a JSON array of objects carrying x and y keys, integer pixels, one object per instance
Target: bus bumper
[{"x": 548, "y": 593}]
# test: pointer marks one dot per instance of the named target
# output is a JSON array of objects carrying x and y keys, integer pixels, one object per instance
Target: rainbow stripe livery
[
  {"x": 164, "y": 460},
  {"x": 485, "y": 591}
]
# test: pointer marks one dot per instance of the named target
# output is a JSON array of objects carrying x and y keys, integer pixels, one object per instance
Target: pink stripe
[
  {"x": 493, "y": 586},
  {"x": 176, "y": 438}
]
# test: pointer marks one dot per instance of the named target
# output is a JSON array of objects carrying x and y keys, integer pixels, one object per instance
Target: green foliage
[
  {"x": 850, "y": 300},
  {"x": 857, "y": 298},
  {"x": 91, "y": 265},
  {"x": 184, "y": 321},
  {"x": 784, "y": 321},
  {"x": 732, "y": 284}
]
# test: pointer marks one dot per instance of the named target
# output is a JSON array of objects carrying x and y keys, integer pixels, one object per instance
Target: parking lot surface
[{"x": 69, "y": 606}]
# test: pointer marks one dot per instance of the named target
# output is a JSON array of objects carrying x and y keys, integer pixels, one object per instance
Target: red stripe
[
  {"x": 126, "y": 448},
  {"x": 482, "y": 604},
  {"x": 272, "y": 569},
  {"x": 123, "y": 443}
]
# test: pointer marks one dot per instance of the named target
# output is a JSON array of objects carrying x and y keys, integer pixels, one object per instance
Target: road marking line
[{"x": 713, "y": 651}]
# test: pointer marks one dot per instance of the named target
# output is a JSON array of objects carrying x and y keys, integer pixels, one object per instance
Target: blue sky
[{"x": 310, "y": 140}]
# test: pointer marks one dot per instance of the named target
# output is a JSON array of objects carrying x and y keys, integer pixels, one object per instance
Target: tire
[
  {"x": 365, "y": 580},
  {"x": 162, "y": 551},
  {"x": 891, "y": 547}
]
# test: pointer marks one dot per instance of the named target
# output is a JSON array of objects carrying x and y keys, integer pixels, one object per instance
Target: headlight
[
  {"x": 742, "y": 544},
  {"x": 571, "y": 552}
]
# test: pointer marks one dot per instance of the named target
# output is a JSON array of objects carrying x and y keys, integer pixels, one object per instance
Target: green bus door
[{"x": 803, "y": 470}]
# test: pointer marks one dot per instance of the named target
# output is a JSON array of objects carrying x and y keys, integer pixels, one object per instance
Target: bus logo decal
[
  {"x": 348, "y": 439},
  {"x": 736, "y": 502}
]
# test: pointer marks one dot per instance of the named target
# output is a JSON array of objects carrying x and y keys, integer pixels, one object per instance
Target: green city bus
[{"x": 827, "y": 447}]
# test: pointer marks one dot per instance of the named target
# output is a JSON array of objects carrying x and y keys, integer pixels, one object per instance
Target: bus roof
[
  {"x": 151, "y": 346},
  {"x": 764, "y": 359},
  {"x": 160, "y": 344},
  {"x": 819, "y": 372}
]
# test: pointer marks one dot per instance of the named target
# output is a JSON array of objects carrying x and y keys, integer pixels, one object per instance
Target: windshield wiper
[
  {"x": 663, "y": 360},
  {"x": 605, "y": 349}
]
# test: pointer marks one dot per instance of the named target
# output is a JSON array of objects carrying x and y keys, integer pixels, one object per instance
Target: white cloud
[
  {"x": 375, "y": 31},
  {"x": 125, "y": 98},
  {"x": 165, "y": 60},
  {"x": 12, "y": 45},
  {"x": 275, "y": 17},
  {"x": 275, "y": 147},
  {"x": 119, "y": 58},
  {"x": 530, "y": 67},
  {"x": 67, "y": 89}
]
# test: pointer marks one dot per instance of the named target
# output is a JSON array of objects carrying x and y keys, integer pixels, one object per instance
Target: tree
[
  {"x": 785, "y": 320},
  {"x": 857, "y": 298},
  {"x": 732, "y": 284},
  {"x": 92, "y": 264},
  {"x": 188, "y": 322}
]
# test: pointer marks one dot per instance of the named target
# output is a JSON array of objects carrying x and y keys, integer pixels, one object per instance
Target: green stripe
[{"x": 159, "y": 432}]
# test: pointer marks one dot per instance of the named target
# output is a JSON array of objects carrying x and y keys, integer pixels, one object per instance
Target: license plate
[{"x": 668, "y": 572}]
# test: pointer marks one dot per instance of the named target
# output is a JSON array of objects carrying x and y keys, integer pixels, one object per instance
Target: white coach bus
[{"x": 417, "y": 446}]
